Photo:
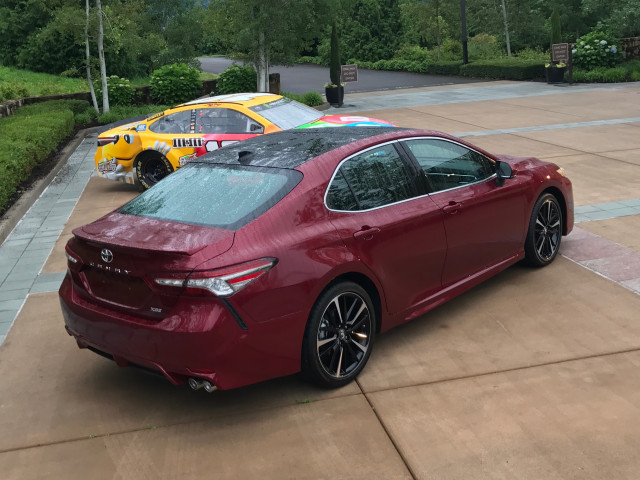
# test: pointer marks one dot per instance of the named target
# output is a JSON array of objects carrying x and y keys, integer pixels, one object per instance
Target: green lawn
[
  {"x": 16, "y": 83},
  {"x": 38, "y": 84}
]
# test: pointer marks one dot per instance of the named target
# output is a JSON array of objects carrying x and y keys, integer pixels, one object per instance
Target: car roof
[
  {"x": 291, "y": 148},
  {"x": 248, "y": 99}
]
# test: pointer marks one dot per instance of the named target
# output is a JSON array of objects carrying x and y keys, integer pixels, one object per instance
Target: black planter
[
  {"x": 334, "y": 95},
  {"x": 555, "y": 74}
]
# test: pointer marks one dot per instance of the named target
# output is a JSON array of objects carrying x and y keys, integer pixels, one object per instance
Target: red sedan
[{"x": 292, "y": 251}]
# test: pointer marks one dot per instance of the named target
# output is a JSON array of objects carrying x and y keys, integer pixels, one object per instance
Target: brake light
[
  {"x": 102, "y": 141},
  {"x": 74, "y": 262},
  {"x": 222, "y": 282}
]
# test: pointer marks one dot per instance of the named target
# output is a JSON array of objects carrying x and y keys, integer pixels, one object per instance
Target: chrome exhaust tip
[
  {"x": 209, "y": 387},
  {"x": 195, "y": 384}
]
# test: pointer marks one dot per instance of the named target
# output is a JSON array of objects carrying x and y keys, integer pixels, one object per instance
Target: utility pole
[{"x": 463, "y": 17}]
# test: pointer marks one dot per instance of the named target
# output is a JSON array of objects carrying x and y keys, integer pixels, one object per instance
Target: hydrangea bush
[
  {"x": 596, "y": 49},
  {"x": 120, "y": 90}
]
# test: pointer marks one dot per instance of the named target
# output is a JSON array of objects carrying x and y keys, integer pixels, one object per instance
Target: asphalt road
[{"x": 309, "y": 77}]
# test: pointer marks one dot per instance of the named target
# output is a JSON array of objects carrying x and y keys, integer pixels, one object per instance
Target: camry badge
[{"x": 106, "y": 255}]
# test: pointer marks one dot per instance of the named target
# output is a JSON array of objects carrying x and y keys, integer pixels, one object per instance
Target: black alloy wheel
[
  {"x": 339, "y": 335},
  {"x": 545, "y": 231}
]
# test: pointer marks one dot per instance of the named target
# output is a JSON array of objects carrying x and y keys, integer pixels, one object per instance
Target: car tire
[
  {"x": 339, "y": 335},
  {"x": 150, "y": 168},
  {"x": 545, "y": 231}
]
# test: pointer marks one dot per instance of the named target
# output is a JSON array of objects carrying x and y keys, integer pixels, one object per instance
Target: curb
[{"x": 13, "y": 216}]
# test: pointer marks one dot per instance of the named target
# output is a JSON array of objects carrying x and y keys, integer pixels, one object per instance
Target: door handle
[
  {"x": 452, "y": 208},
  {"x": 366, "y": 233}
]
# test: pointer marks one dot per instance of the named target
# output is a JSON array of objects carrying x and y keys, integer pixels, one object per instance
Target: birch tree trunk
[
  {"x": 506, "y": 27},
  {"x": 262, "y": 65},
  {"x": 103, "y": 67},
  {"x": 89, "y": 79}
]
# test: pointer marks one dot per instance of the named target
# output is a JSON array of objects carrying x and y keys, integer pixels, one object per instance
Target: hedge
[
  {"x": 505, "y": 69},
  {"x": 29, "y": 137}
]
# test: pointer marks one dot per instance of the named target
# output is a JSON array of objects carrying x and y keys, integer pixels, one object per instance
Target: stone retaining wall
[
  {"x": 143, "y": 96},
  {"x": 631, "y": 48}
]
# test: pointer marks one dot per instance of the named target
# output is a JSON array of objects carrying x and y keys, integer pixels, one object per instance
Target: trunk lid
[{"x": 121, "y": 254}]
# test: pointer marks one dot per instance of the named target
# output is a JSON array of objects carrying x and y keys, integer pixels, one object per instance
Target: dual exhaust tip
[{"x": 198, "y": 383}]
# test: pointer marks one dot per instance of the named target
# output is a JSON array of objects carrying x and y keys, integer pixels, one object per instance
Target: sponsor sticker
[
  {"x": 107, "y": 165},
  {"x": 141, "y": 128},
  {"x": 186, "y": 159},
  {"x": 193, "y": 142}
]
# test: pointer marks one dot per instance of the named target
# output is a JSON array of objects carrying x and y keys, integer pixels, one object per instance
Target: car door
[
  {"x": 173, "y": 135},
  {"x": 382, "y": 216},
  {"x": 483, "y": 221}
]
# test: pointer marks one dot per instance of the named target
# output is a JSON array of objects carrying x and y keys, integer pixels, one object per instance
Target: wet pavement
[{"x": 530, "y": 375}]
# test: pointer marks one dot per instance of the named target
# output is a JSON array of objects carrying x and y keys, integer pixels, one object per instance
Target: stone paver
[{"x": 574, "y": 420}]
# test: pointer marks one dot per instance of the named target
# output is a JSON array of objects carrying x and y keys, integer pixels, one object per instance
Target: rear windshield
[
  {"x": 286, "y": 114},
  {"x": 221, "y": 196}
]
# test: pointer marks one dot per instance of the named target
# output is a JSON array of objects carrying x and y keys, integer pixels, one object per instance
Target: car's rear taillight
[
  {"x": 102, "y": 141},
  {"x": 222, "y": 282},
  {"x": 73, "y": 261}
]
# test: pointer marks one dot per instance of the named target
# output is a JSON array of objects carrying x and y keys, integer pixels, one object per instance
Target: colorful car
[{"x": 144, "y": 152}]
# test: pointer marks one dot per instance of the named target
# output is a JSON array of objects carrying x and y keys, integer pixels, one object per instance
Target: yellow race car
[{"x": 146, "y": 151}]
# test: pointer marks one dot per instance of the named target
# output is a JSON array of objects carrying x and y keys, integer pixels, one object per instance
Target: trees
[{"x": 267, "y": 32}]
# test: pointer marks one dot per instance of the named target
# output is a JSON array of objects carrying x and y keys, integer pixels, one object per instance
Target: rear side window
[
  {"x": 286, "y": 114},
  {"x": 221, "y": 196},
  {"x": 372, "y": 179},
  {"x": 222, "y": 120}
]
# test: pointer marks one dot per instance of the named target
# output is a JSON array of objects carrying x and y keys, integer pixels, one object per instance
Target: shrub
[
  {"x": 120, "y": 90},
  {"x": 450, "y": 50},
  {"x": 504, "y": 68},
  {"x": 11, "y": 90},
  {"x": 313, "y": 99},
  {"x": 176, "y": 83},
  {"x": 444, "y": 68},
  {"x": 483, "y": 46},
  {"x": 602, "y": 75},
  {"x": 533, "y": 54},
  {"x": 414, "y": 53},
  {"x": 236, "y": 79},
  {"x": 334, "y": 56},
  {"x": 596, "y": 49},
  {"x": 29, "y": 136}
]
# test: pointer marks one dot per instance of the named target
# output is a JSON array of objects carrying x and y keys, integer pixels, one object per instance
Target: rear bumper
[{"x": 198, "y": 338}]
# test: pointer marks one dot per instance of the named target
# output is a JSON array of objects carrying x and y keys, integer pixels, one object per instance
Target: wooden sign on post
[
  {"x": 560, "y": 52},
  {"x": 349, "y": 73}
]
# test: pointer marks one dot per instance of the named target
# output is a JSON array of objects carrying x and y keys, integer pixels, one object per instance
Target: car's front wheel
[
  {"x": 339, "y": 335},
  {"x": 150, "y": 168},
  {"x": 545, "y": 231}
]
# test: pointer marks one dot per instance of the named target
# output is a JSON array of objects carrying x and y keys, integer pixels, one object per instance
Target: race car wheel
[{"x": 150, "y": 168}]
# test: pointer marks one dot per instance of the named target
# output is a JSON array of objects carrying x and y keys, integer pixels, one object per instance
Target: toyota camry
[{"x": 292, "y": 251}]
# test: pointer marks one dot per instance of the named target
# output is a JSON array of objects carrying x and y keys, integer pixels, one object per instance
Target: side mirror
[
  {"x": 255, "y": 128},
  {"x": 503, "y": 171}
]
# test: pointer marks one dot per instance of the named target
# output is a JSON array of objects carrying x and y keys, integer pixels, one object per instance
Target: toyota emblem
[{"x": 106, "y": 255}]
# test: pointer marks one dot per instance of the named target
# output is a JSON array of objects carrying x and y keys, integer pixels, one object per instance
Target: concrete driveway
[{"x": 532, "y": 375}]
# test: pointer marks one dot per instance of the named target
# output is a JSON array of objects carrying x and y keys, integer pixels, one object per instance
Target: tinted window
[
  {"x": 449, "y": 165},
  {"x": 179, "y": 122},
  {"x": 286, "y": 114},
  {"x": 375, "y": 178},
  {"x": 222, "y": 196},
  {"x": 222, "y": 120},
  {"x": 340, "y": 196}
]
